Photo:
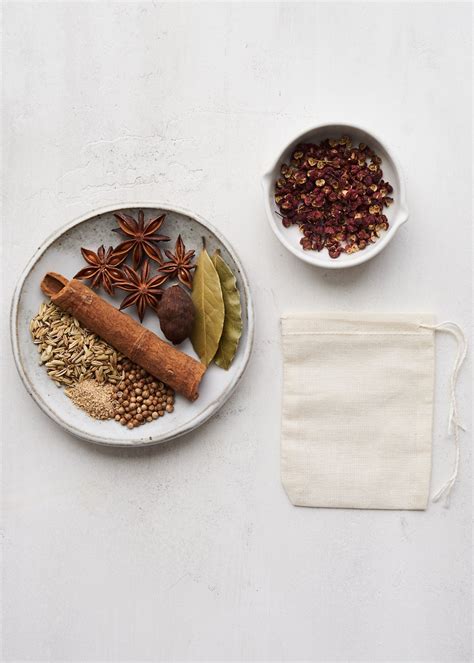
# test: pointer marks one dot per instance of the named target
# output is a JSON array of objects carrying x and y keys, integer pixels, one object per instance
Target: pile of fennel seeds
[{"x": 69, "y": 352}]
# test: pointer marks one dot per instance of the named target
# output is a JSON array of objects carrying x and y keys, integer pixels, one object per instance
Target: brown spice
[
  {"x": 70, "y": 352},
  {"x": 161, "y": 359},
  {"x": 335, "y": 193},
  {"x": 103, "y": 270},
  {"x": 179, "y": 264},
  {"x": 94, "y": 398},
  {"x": 139, "y": 397},
  {"x": 141, "y": 237},
  {"x": 176, "y": 313},
  {"x": 145, "y": 290}
]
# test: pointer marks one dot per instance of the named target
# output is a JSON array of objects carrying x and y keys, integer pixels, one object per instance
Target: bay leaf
[
  {"x": 209, "y": 309},
  {"x": 232, "y": 330}
]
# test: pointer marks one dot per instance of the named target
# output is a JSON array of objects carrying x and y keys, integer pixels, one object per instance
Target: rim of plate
[
  {"x": 211, "y": 409},
  {"x": 312, "y": 258}
]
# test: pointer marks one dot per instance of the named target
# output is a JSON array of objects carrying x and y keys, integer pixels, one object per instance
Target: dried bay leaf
[
  {"x": 232, "y": 330},
  {"x": 209, "y": 309}
]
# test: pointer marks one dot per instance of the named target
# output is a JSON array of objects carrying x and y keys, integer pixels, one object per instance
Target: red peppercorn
[{"x": 336, "y": 194}]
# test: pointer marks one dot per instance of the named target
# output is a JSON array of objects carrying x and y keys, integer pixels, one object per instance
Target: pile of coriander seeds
[{"x": 140, "y": 397}]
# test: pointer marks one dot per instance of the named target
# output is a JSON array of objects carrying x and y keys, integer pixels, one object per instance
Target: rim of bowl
[
  {"x": 139, "y": 441},
  {"x": 312, "y": 257}
]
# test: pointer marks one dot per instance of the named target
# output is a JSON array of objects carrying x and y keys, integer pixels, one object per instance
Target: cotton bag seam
[{"x": 356, "y": 333}]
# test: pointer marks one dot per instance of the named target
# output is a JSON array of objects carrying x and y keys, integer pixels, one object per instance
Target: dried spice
[
  {"x": 209, "y": 309},
  {"x": 69, "y": 352},
  {"x": 142, "y": 237},
  {"x": 104, "y": 269},
  {"x": 179, "y": 264},
  {"x": 145, "y": 290},
  {"x": 336, "y": 194},
  {"x": 140, "y": 398},
  {"x": 232, "y": 329},
  {"x": 176, "y": 313},
  {"x": 94, "y": 398},
  {"x": 180, "y": 371}
]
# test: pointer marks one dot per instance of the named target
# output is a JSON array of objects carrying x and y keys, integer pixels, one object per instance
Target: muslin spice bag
[{"x": 358, "y": 409}]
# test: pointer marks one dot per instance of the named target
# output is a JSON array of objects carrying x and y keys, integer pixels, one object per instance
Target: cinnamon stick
[{"x": 181, "y": 372}]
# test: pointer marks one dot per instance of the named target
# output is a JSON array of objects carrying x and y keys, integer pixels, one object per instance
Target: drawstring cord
[{"x": 453, "y": 423}]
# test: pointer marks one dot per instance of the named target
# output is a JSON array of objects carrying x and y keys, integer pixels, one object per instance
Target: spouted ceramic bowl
[
  {"x": 397, "y": 213},
  {"x": 61, "y": 253}
]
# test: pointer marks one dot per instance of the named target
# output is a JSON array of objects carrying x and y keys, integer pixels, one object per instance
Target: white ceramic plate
[
  {"x": 61, "y": 253},
  {"x": 397, "y": 213}
]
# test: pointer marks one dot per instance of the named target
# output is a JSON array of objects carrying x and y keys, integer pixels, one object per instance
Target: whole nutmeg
[{"x": 176, "y": 314}]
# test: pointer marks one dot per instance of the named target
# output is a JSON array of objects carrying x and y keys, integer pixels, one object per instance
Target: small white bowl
[{"x": 397, "y": 213}]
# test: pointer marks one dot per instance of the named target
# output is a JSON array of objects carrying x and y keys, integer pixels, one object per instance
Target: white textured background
[{"x": 192, "y": 551}]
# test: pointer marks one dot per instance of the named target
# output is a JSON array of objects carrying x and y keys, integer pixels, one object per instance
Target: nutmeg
[{"x": 176, "y": 314}]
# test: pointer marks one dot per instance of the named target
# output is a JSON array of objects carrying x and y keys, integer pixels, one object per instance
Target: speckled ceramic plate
[{"x": 61, "y": 253}]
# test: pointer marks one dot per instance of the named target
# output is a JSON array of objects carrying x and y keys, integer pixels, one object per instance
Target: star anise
[
  {"x": 179, "y": 264},
  {"x": 142, "y": 238},
  {"x": 104, "y": 268},
  {"x": 144, "y": 291}
]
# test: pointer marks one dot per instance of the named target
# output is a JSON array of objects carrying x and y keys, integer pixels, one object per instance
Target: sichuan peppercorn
[{"x": 334, "y": 192}]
